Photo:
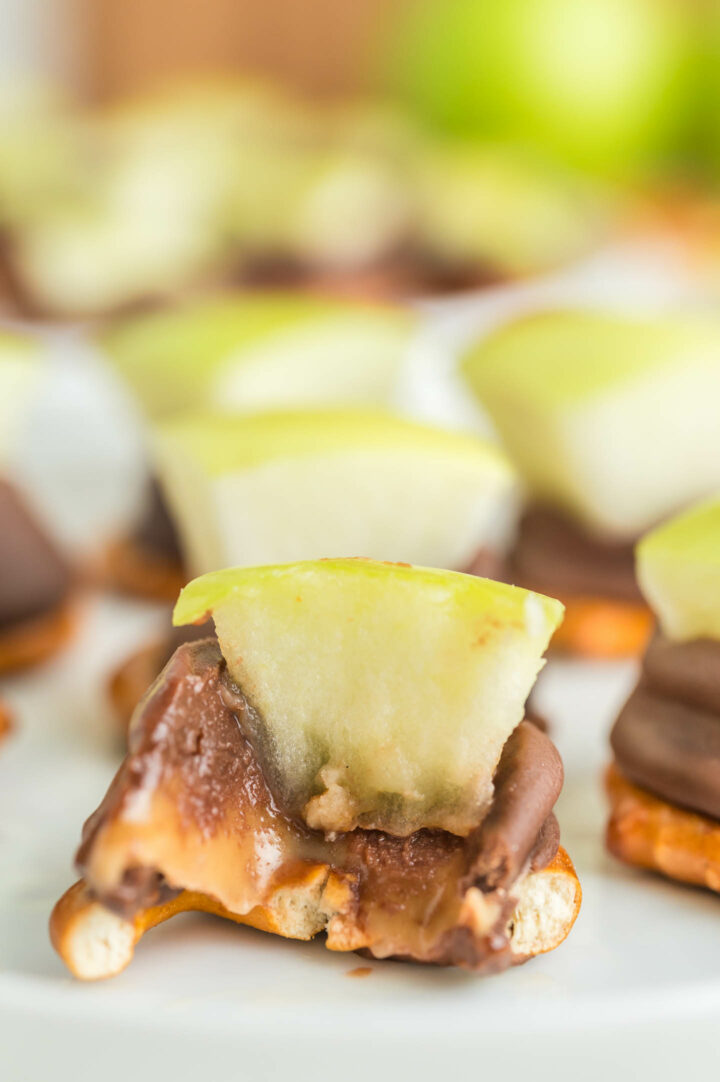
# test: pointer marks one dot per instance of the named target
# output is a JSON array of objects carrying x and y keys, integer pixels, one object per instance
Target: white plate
[{"x": 635, "y": 990}]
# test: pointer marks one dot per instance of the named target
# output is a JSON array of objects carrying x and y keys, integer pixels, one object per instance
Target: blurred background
[
  {"x": 426, "y": 144},
  {"x": 529, "y": 152}
]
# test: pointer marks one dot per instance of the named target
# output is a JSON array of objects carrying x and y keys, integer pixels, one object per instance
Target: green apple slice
[
  {"x": 19, "y": 369},
  {"x": 491, "y": 205},
  {"x": 148, "y": 225},
  {"x": 678, "y": 567},
  {"x": 384, "y": 692},
  {"x": 611, "y": 418},
  {"x": 353, "y": 209},
  {"x": 275, "y": 487},
  {"x": 95, "y": 259},
  {"x": 261, "y": 351}
]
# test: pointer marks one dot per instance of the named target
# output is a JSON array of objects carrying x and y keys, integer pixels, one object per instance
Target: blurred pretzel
[{"x": 651, "y": 833}]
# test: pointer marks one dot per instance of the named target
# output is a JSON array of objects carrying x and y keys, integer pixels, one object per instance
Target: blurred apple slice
[
  {"x": 678, "y": 567},
  {"x": 383, "y": 693},
  {"x": 297, "y": 485},
  {"x": 261, "y": 351},
  {"x": 497, "y": 207},
  {"x": 612, "y": 418}
]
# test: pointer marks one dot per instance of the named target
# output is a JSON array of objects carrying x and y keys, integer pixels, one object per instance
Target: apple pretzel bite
[
  {"x": 664, "y": 784},
  {"x": 304, "y": 797}
]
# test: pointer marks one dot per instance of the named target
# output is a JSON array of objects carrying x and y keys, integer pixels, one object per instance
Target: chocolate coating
[
  {"x": 527, "y": 784},
  {"x": 34, "y": 577},
  {"x": 198, "y": 740},
  {"x": 555, "y": 555},
  {"x": 686, "y": 671},
  {"x": 671, "y": 749}
]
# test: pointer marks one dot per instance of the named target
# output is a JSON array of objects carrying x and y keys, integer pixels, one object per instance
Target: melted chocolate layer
[
  {"x": 554, "y": 555},
  {"x": 670, "y": 748},
  {"x": 406, "y": 270},
  {"x": 193, "y": 739},
  {"x": 34, "y": 578},
  {"x": 688, "y": 672},
  {"x": 527, "y": 784}
]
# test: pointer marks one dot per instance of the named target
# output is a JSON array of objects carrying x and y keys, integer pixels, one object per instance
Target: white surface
[{"x": 635, "y": 991}]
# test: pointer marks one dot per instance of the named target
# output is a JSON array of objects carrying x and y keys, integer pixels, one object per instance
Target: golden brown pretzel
[
  {"x": 129, "y": 569},
  {"x": 129, "y": 682},
  {"x": 95, "y": 943},
  {"x": 649, "y": 832},
  {"x": 35, "y": 640},
  {"x": 602, "y": 628}
]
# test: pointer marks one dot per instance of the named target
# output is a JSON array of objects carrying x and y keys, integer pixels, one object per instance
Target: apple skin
[
  {"x": 605, "y": 85},
  {"x": 678, "y": 567}
]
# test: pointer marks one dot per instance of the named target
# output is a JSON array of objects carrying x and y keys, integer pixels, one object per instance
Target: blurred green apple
[
  {"x": 275, "y": 487},
  {"x": 602, "y": 84},
  {"x": 255, "y": 351},
  {"x": 384, "y": 693},
  {"x": 678, "y": 567},
  {"x": 614, "y": 419}
]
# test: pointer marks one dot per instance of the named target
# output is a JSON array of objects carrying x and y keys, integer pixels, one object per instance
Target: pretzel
[
  {"x": 601, "y": 628},
  {"x": 96, "y": 943},
  {"x": 34, "y": 640},
  {"x": 6, "y": 723},
  {"x": 649, "y": 832},
  {"x": 131, "y": 680},
  {"x": 130, "y": 569}
]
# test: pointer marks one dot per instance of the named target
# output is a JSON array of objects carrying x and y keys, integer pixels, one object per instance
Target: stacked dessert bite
[
  {"x": 612, "y": 424},
  {"x": 221, "y": 183},
  {"x": 36, "y": 583},
  {"x": 348, "y": 756},
  {"x": 286, "y": 485},
  {"x": 243, "y": 353},
  {"x": 664, "y": 784}
]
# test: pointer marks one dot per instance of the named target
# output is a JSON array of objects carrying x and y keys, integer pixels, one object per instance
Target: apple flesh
[
  {"x": 145, "y": 226},
  {"x": 678, "y": 567},
  {"x": 275, "y": 487},
  {"x": 494, "y": 206},
  {"x": 384, "y": 692},
  {"x": 261, "y": 351},
  {"x": 141, "y": 213},
  {"x": 611, "y": 418},
  {"x": 354, "y": 209}
]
